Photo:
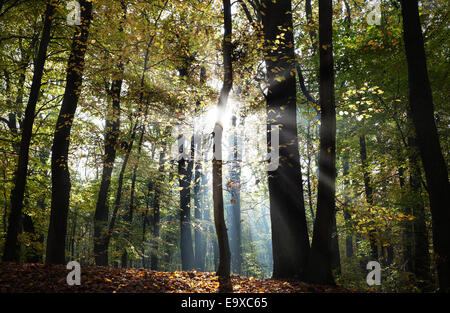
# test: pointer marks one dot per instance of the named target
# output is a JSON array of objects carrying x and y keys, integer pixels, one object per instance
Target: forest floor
[{"x": 41, "y": 278}]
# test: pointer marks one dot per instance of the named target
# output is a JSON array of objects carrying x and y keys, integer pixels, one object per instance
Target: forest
[{"x": 225, "y": 145}]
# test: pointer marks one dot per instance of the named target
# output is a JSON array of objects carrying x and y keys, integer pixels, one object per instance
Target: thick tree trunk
[
  {"x": 60, "y": 148},
  {"x": 11, "y": 252},
  {"x": 319, "y": 269},
  {"x": 223, "y": 270},
  {"x": 422, "y": 112},
  {"x": 421, "y": 252},
  {"x": 290, "y": 241}
]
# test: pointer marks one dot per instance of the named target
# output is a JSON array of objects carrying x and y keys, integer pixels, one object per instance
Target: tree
[
  {"x": 20, "y": 177},
  {"x": 185, "y": 177},
  {"x": 319, "y": 269},
  {"x": 234, "y": 188},
  {"x": 290, "y": 241},
  {"x": 112, "y": 132},
  {"x": 61, "y": 184},
  {"x": 223, "y": 270},
  {"x": 368, "y": 192},
  {"x": 156, "y": 216},
  {"x": 422, "y": 113}
]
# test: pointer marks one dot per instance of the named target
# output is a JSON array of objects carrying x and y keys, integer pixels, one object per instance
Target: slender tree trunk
[
  {"x": 112, "y": 129},
  {"x": 310, "y": 21},
  {"x": 290, "y": 242},
  {"x": 308, "y": 169},
  {"x": 198, "y": 235},
  {"x": 369, "y": 195},
  {"x": 60, "y": 148},
  {"x": 157, "y": 208},
  {"x": 185, "y": 177},
  {"x": 128, "y": 217},
  {"x": 319, "y": 269},
  {"x": 422, "y": 112},
  {"x": 334, "y": 246},
  {"x": 223, "y": 270},
  {"x": 118, "y": 200},
  {"x": 198, "y": 197},
  {"x": 11, "y": 251},
  {"x": 235, "y": 190},
  {"x": 407, "y": 236},
  {"x": 347, "y": 214},
  {"x": 200, "y": 253}
]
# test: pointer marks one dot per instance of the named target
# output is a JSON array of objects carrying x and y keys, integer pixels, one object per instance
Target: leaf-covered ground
[{"x": 25, "y": 278}]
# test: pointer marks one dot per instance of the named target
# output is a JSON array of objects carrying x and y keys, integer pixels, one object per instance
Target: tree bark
[
  {"x": 347, "y": 214},
  {"x": 128, "y": 217},
  {"x": 198, "y": 209},
  {"x": 290, "y": 242},
  {"x": 11, "y": 250},
  {"x": 407, "y": 236},
  {"x": 319, "y": 269},
  {"x": 112, "y": 129},
  {"x": 185, "y": 177},
  {"x": 369, "y": 195},
  {"x": 421, "y": 252},
  {"x": 157, "y": 208},
  {"x": 106, "y": 239},
  {"x": 60, "y": 149},
  {"x": 235, "y": 189},
  {"x": 422, "y": 112},
  {"x": 223, "y": 270}
]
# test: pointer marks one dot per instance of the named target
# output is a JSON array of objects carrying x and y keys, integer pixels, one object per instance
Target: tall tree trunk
[
  {"x": 32, "y": 255},
  {"x": 310, "y": 21},
  {"x": 185, "y": 177},
  {"x": 407, "y": 236},
  {"x": 290, "y": 242},
  {"x": 112, "y": 129},
  {"x": 156, "y": 216},
  {"x": 128, "y": 217},
  {"x": 308, "y": 169},
  {"x": 198, "y": 196},
  {"x": 11, "y": 252},
  {"x": 105, "y": 240},
  {"x": 198, "y": 235},
  {"x": 334, "y": 246},
  {"x": 60, "y": 149},
  {"x": 223, "y": 270},
  {"x": 235, "y": 189},
  {"x": 369, "y": 195},
  {"x": 347, "y": 214},
  {"x": 319, "y": 269},
  {"x": 200, "y": 245},
  {"x": 421, "y": 252},
  {"x": 422, "y": 112}
]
